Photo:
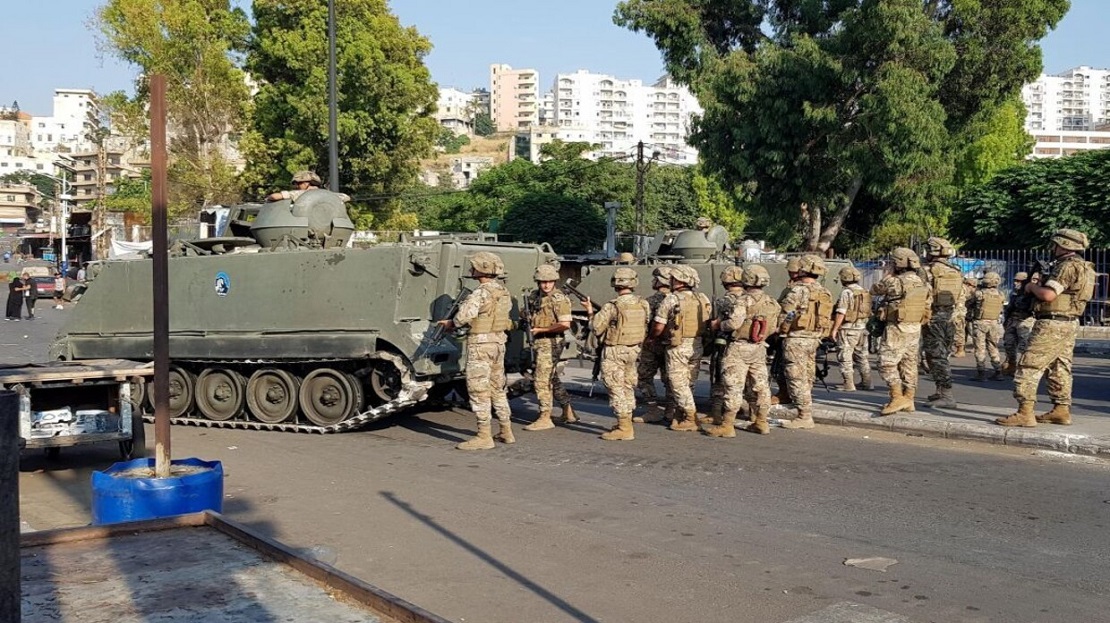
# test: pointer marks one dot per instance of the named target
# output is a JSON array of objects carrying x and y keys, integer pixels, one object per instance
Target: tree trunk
[
  {"x": 836, "y": 221},
  {"x": 811, "y": 220}
]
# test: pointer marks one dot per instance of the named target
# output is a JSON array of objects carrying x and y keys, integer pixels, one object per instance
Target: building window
[
  {"x": 39, "y": 166},
  {"x": 19, "y": 165},
  {"x": 11, "y": 198}
]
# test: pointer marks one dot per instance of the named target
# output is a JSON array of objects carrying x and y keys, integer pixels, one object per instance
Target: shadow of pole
[{"x": 509, "y": 572}]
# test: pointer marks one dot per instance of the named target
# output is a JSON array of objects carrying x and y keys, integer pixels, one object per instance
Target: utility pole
[
  {"x": 333, "y": 105},
  {"x": 641, "y": 172}
]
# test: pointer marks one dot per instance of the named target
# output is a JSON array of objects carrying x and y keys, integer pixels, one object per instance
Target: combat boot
[
  {"x": 689, "y": 423},
  {"x": 759, "y": 422},
  {"x": 865, "y": 383},
  {"x": 542, "y": 423},
  {"x": 727, "y": 427},
  {"x": 944, "y": 401},
  {"x": 980, "y": 375},
  {"x": 569, "y": 416},
  {"x": 998, "y": 376},
  {"x": 782, "y": 397},
  {"x": 652, "y": 414},
  {"x": 482, "y": 441},
  {"x": 1024, "y": 417},
  {"x": 714, "y": 417},
  {"x": 960, "y": 352},
  {"x": 803, "y": 421},
  {"x": 505, "y": 432},
  {"x": 846, "y": 387},
  {"x": 909, "y": 394},
  {"x": 622, "y": 431},
  {"x": 897, "y": 400},
  {"x": 1009, "y": 368},
  {"x": 1060, "y": 414}
]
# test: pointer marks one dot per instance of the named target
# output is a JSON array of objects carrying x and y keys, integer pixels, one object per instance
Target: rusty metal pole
[
  {"x": 161, "y": 277},
  {"x": 333, "y": 106},
  {"x": 10, "y": 593}
]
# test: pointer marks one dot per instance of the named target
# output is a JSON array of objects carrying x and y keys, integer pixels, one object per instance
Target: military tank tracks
[{"x": 328, "y": 394}]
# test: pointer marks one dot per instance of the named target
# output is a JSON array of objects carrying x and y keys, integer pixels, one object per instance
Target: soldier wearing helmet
[
  {"x": 906, "y": 305},
  {"x": 681, "y": 321},
  {"x": 547, "y": 312},
  {"x": 806, "y": 319},
  {"x": 704, "y": 224},
  {"x": 1018, "y": 324},
  {"x": 746, "y": 317},
  {"x": 730, "y": 280},
  {"x": 985, "y": 309},
  {"x": 1060, "y": 296},
  {"x": 303, "y": 181},
  {"x": 961, "y": 333},
  {"x": 850, "y": 316},
  {"x": 939, "y": 335},
  {"x": 621, "y": 326},
  {"x": 653, "y": 356},
  {"x": 782, "y": 395},
  {"x": 486, "y": 312}
]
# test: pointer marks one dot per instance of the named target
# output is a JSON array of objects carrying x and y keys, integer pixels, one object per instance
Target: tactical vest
[
  {"x": 629, "y": 325},
  {"x": 816, "y": 316},
  {"x": 860, "y": 307},
  {"x": 655, "y": 299},
  {"x": 493, "y": 315},
  {"x": 910, "y": 306},
  {"x": 761, "y": 309},
  {"x": 689, "y": 317},
  {"x": 543, "y": 311},
  {"x": 948, "y": 284},
  {"x": 1073, "y": 300},
  {"x": 990, "y": 306}
]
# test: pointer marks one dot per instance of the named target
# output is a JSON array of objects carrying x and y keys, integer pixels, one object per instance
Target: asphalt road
[{"x": 671, "y": 527}]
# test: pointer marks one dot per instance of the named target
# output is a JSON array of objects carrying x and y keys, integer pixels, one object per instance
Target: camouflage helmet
[
  {"x": 545, "y": 272},
  {"x": 624, "y": 278},
  {"x": 849, "y": 274},
  {"x": 793, "y": 264},
  {"x": 971, "y": 281},
  {"x": 686, "y": 275},
  {"x": 812, "y": 264},
  {"x": 732, "y": 274},
  {"x": 704, "y": 223},
  {"x": 1022, "y": 276},
  {"x": 905, "y": 258},
  {"x": 662, "y": 273},
  {"x": 626, "y": 258},
  {"x": 755, "y": 277},
  {"x": 992, "y": 279},
  {"x": 307, "y": 176},
  {"x": 936, "y": 246},
  {"x": 486, "y": 263},
  {"x": 1071, "y": 239}
]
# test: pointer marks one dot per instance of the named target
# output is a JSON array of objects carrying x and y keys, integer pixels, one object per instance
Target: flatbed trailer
[
  {"x": 199, "y": 567},
  {"x": 70, "y": 403}
]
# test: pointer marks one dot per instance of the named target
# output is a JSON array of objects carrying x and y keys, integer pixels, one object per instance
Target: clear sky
[{"x": 47, "y": 43}]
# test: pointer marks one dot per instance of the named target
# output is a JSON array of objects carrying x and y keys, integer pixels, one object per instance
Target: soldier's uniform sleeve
[
  {"x": 666, "y": 307},
  {"x": 471, "y": 305},
  {"x": 844, "y": 303},
  {"x": 792, "y": 301},
  {"x": 736, "y": 313},
  {"x": 1066, "y": 276},
  {"x": 600, "y": 323},
  {"x": 561, "y": 303}
]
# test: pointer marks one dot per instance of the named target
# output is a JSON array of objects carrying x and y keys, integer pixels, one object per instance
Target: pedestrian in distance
[
  {"x": 1060, "y": 295},
  {"x": 1018, "y": 323},
  {"x": 849, "y": 329},
  {"x": 681, "y": 321},
  {"x": 621, "y": 326},
  {"x": 805, "y": 320},
  {"x": 547, "y": 312},
  {"x": 16, "y": 289},
  {"x": 745, "y": 320},
  {"x": 30, "y": 295},
  {"x": 907, "y": 304},
  {"x": 59, "y": 289},
  {"x": 486, "y": 312},
  {"x": 939, "y": 335},
  {"x": 985, "y": 309},
  {"x": 653, "y": 357}
]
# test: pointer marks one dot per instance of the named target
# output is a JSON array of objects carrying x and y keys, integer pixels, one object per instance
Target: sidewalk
[{"x": 1089, "y": 434}]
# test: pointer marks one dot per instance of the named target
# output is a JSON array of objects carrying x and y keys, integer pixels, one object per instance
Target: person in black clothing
[
  {"x": 15, "y": 298},
  {"x": 30, "y": 295}
]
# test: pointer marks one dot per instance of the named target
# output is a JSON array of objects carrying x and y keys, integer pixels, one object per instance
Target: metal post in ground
[
  {"x": 159, "y": 199},
  {"x": 9, "y": 507}
]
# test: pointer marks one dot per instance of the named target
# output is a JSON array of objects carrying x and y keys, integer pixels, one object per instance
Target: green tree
[
  {"x": 45, "y": 185},
  {"x": 1021, "y": 206},
  {"x": 569, "y": 224},
  {"x": 385, "y": 98},
  {"x": 1002, "y": 143},
  {"x": 196, "y": 44},
  {"x": 131, "y": 195},
  {"x": 821, "y": 105},
  {"x": 483, "y": 124},
  {"x": 450, "y": 142}
]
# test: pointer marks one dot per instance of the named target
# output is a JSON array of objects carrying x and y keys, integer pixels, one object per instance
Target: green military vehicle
[{"x": 280, "y": 326}]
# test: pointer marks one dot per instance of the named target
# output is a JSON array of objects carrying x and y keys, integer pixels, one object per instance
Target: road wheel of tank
[
  {"x": 327, "y": 396},
  {"x": 219, "y": 393},
  {"x": 182, "y": 383},
  {"x": 386, "y": 380},
  {"x": 272, "y": 395},
  {"x": 360, "y": 394}
]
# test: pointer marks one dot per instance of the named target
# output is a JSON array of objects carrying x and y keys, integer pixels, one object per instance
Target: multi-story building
[
  {"x": 547, "y": 109},
  {"x": 619, "y": 114},
  {"x": 1068, "y": 112},
  {"x": 514, "y": 98},
  {"x": 76, "y": 115},
  {"x": 19, "y": 206},
  {"x": 85, "y": 170},
  {"x": 455, "y": 110}
]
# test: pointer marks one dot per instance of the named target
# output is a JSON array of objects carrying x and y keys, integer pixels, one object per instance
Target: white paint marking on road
[
  {"x": 874, "y": 563},
  {"x": 848, "y": 612}
]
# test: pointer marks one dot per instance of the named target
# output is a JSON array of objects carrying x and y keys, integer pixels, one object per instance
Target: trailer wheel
[{"x": 134, "y": 448}]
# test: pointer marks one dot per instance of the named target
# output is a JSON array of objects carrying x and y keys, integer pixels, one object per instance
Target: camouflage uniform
[
  {"x": 939, "y": 335},
  {"x": 618, "y": 362},
  {"x": 905, "y": 295},
  {"x": 961, "y": 330},
  {"x": 804, "y": 322},
  {"x": 546, "y": 311},
  {"x": 485, "y": 355},
  {"x": 653, "y": 356},
  {"x": 1017, "y": 326},
  {"x": 683, "y": 353},
  {"x": 851, "y": 338},
  {"x": 986, "y": 302}
]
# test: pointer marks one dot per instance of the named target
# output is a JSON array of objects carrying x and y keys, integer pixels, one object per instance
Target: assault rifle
[
  {"x": 438, "y": 332},
  {"x": 569, "y": 288},
  {"x": 526, "y": 327},
  {"x": 827, "y": 346}
]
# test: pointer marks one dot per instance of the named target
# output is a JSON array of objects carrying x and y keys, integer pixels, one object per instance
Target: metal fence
[{"x": 1008, "y": 263}]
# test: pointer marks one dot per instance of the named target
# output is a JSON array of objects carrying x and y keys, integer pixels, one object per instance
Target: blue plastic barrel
[{"x": 118, "y": 498}]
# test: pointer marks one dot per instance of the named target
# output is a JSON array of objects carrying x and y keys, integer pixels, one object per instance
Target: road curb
[{"x": 910, "y": 424}]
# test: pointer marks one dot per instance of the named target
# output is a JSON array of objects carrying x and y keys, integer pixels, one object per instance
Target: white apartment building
[
  {"x": 16, "y": 152},
  {"x": 1068, "y": 112},
  {"x": 514, "y": 98},
  {"x": 76, "y": 112},
  {"x": 619, "y": 114},
  {"x": 455, "y": 110}
]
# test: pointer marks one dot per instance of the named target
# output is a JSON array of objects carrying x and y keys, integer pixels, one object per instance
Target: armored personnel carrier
[{"x": 280, "y": 326}]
